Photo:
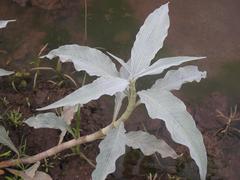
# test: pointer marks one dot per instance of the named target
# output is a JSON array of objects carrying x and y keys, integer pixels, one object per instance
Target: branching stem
[{"x": 81, "y": 140}]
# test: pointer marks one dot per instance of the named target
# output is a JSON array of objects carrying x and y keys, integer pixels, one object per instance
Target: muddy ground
[
  {"x": 223, "y": 149},
  {"x": 209, "y": 28}
]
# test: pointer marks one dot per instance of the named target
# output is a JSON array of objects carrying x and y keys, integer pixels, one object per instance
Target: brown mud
[
  {"x": 223, "y": 151},
  {"x": 209, "y": 28}
]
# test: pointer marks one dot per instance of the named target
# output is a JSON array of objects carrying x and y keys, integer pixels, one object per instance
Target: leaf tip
[
  {"x": 43, "y": 108},
  {"x": 202, "y": 57}
]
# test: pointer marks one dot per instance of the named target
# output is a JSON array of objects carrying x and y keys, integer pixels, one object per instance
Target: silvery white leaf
[
  {"x": 119, "y": 96},
  {"x": 124, "y": 73},
  {"x": 111, "y": 148},
  {"x": 164, "y": 63},
  {"x": 47, "y": 120},
  {"x": 174, "y": 79},
  {"x": 149, "y": 144},
  {"x": 5, "y": 140},
  {"x": 3, "y": 72},
  {"x": 149, "y": 39},
  {"x": 124, "y": 65},
  {"x": 164, "y": 105},
  {"x": 91, "y": 60},
  {"x": 125, "y": 69},
  {"x": 92, "y": 91},
  {"x": 3, "y": 23}
]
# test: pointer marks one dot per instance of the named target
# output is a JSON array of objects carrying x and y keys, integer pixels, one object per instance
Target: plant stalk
[{"x": 81, "y": 140}]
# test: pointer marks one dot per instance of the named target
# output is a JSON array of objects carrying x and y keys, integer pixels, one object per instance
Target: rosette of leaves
[{"x": 158, "y": 99}]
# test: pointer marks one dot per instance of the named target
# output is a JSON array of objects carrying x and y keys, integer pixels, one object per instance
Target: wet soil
[{"x": 223, "y": 150}]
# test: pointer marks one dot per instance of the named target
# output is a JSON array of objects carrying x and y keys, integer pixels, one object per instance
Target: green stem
[
  {"x": 37, "y": 64},
  {"x": 59, "y": 69}
]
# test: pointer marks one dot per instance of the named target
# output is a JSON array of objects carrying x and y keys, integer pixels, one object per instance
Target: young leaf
[
  {"x": 5, "y": 140},
  {"x": 164, "y": 105},
  {"x": 124, "y": 65},
  {"x": 3, "y": 23},
  {"x": 149, "y": 144},
  {"x": 149, "y": 39},
  {"x": 67, "y": 115},
  {"x": 5, "y": 73},
  {"x": 31, "y": 173},
  {"x": 47, "y": 120},
  {"x": 124, "y": 73},
  {"x": 50, "y": 120},
  {"x": 164, "y": 63},
  {"x": 111, "y": 148},
  {"x": 174, "y": 79},
  {"x": 91, "y": 60},
  {"x": 99, "y": 87}
]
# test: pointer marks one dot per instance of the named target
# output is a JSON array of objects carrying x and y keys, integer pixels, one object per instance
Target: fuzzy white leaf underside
[
  {"x": 3, "y": 72},
  {"x": 149, "y": 39},
  {"x": 3, "y": 23},
  {"x": 174, "y": 79},
  {"x": 111, "y": 148},
  {"x": 164, "y": 105},
  {"x": 149, "y": 144},
  {"x": 92, "y": 91},
  {"x": 5, "y": 140},
  {"x": 164, "y": 63},
  {"x": 91, "y": 60}
]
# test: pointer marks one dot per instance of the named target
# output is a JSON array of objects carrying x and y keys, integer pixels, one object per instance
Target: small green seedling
[{"x": 15, "y": 117}]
